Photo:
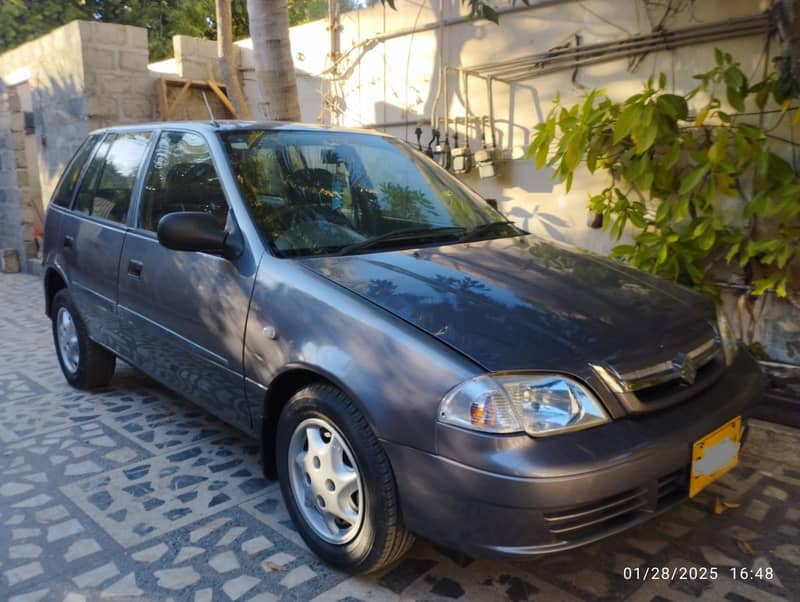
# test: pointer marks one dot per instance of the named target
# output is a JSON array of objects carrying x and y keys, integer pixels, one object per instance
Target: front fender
[{"x": 394, "y": 372}]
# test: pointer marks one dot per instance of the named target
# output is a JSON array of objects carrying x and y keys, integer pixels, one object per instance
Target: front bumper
[{"x": 517, "y": 496}]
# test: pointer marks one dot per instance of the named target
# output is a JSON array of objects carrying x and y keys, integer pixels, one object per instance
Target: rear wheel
[
  {"x": 337, "y": 482},
  {"x": 85, "y": 364}
]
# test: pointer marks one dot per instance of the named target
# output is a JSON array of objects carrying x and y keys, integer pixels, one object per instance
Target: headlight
[
  {"x": 726, "y": 337},
  {"x": 539, "y": 404}
]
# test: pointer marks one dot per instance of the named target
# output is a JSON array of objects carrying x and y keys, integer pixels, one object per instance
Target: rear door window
[
  {"x": 108, "y": 184},
  {"x": 83, "y": 202},
  {"x": 69, "y": 181}
]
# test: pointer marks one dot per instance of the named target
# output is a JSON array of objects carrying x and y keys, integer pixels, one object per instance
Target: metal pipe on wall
[
  {"x": 466, "y": 74},
  {"x": 757, "y": 21},
  {"x": 545, "y": 63},
  {"x": 570, "y": 58},
  {"x": 442, "y": 67},
  {"x": 576, "y": 57},
  {"x": 466, "y": 107},
  {"x": 395, "y": 124},
  {"x": 446, "y": 99},
  {"x": 490, "y": 96},
  {"x": 529, "y": 73}
]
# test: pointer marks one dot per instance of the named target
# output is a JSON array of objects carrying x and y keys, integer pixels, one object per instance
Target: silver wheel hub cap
[
  {"x": 67, "y": 336},
  {"x": 325, "y": 481}
]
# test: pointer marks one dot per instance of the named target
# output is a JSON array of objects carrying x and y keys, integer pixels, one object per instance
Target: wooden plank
[
  {"x": 181, "y": 95},
  {"x": 163, "y": 104},
  {"x": 194, "y": 83},
  {"x": 223, "y": 97}
]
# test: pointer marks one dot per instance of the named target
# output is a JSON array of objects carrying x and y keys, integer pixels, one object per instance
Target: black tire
[
  {"x": 95, "y": 363},
  {"x": 382, "y": 539}
]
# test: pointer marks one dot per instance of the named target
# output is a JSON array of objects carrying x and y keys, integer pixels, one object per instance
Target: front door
[
  {"x": 184, "y": 313},
  {"x": 92, "y": 235}
]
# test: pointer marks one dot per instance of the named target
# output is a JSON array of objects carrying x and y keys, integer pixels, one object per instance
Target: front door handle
[
  {"x": 68, "y": 240},
  {"x": 135, "y": 268}
]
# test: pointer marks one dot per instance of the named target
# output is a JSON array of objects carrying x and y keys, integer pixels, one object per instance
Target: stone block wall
[
  {"x": 10, "y": 206},
  {"x": 26, "y": 175},
  {"x": 50, "y": 69},
  {"x": 196, "y": 58},
  {"x": 80, "y": 77},
  {"x": 119, "y": 88}
]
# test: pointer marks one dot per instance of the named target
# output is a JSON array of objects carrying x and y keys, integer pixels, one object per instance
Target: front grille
[
  {"x": 667, "y": 382},
  {"x": 674, "y": 391},
  {"x": 668, "y": 370},
  {"x": 588, "y": 521}
]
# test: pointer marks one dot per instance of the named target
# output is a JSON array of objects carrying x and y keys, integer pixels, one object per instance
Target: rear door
[
  {"x": 183, "y": 313},
  {"x": 92, "y": 235},
  {"x": 61, "y": 202}
]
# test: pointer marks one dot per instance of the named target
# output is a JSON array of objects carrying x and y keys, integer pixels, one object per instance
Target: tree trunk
[
  {"x": 272, "y": 52},
  {"x": 794, "y": 40},
  {"x": 227, "y": 62}
]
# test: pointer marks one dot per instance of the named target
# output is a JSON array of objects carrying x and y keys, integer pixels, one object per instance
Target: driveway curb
[{"x": 774, "y": 441}]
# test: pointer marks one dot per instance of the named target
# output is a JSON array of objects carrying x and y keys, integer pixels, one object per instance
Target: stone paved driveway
[{"x": 134, "y": 494}]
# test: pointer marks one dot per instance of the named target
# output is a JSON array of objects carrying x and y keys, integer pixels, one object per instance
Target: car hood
[{"x": 526, "y": 303}]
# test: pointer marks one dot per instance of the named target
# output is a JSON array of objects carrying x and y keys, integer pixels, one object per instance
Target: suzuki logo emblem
[{"x": 685, "y": 367}]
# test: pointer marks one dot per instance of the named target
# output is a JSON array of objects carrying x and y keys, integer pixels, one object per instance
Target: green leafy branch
[{"x": 695, "y": 191}]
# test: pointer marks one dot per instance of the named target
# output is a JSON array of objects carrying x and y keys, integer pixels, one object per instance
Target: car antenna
[{"x": 210, "y": 112}]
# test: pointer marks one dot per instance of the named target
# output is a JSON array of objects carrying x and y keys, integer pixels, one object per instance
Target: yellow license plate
[{"x": 715, "y": 454}]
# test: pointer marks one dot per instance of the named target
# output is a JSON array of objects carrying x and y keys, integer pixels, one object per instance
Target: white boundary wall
[{"x": 396, "y": 81}]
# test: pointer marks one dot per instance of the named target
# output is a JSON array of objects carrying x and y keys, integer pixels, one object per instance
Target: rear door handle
[
  {"x": 68, "y": 240},
  {"x": 135, "y": 268}
]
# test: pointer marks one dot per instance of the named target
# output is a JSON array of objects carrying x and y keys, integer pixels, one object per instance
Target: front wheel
[
  {"x": 85, "y": 364},
  {"x": 337, "y": 482}
]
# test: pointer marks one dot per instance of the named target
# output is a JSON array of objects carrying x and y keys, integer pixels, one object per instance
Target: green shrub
[{"x": 695, "y": 190}]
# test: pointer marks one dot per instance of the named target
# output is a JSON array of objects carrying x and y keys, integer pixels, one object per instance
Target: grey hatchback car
[{"x": 411, "y": 361}]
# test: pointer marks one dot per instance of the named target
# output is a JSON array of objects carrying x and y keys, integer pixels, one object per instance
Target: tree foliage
[
  {"x": 696, "y": 191},
  {"x": 23, "y": 20}
]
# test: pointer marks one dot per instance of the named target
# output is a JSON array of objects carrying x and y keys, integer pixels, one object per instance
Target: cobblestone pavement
[{"x": 134, "y": 494}]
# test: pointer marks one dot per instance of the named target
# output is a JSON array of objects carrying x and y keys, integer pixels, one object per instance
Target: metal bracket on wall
[{"x": 30, "y": 126}]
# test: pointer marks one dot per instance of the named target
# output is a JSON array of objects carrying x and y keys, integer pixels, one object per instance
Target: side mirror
[
  {"x": 191, "y": 231},
  {"x": 492, "y": 203}
]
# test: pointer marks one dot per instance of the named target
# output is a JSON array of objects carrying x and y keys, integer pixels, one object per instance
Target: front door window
[{"x": 181, "y": 177}]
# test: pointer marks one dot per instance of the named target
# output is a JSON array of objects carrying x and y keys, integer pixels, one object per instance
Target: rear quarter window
[{"x": 72, "y": 174}]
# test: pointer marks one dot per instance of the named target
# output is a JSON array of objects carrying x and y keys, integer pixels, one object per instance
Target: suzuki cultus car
[{"x": 411, "y": 361}]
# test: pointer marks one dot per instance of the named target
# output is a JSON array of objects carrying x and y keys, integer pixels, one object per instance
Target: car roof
[{"x": 232, "y": 126}]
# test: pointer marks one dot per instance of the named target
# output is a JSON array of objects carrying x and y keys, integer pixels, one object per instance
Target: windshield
[{"x": 320, "y": 192}]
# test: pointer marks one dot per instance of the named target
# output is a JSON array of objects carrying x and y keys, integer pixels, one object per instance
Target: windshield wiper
[
  {"x": 490, "y": 228},
  {"x": 399, "y": 235}
]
